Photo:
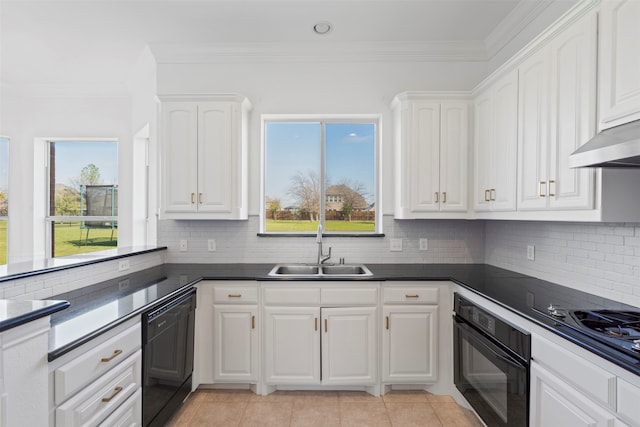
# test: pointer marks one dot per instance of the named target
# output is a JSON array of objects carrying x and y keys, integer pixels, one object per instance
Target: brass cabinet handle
[
  {"x": 551, "y": 181},
  {"x": 387, "y": 318},
  {"x": 325, "y": 325},
  {"x": 115, "y": 393},
  {"x": 412, "y": 296},
  {"x": 487, "y": 195},
  {"x": 437, "y": 198},
  {"x": 193, "y": 198},
  {"x": 316, "y": 323},
  {"x": 200, "y": 198},
  {"x": 109, "y": 359},
  {"x": 492, "y": 195},
  {"x": 444, "y": 197},
  {"x": 253, "y": 322},
  {"x": 541, "y": 185},
  {"x": 234, "y": 295}
]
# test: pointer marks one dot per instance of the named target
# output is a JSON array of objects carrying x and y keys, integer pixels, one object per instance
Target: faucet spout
[{"x": 322, "y": 257}]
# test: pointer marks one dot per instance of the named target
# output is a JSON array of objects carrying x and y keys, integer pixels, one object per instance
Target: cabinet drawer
[
  {"x": 287, "y": 296},
  {"x": 102, "y": 397},
  {"x": 84, "y": 369},
  {"x": 128, "y": 414},
  {"x": 413, "y": 295},
  {"x": 235, "y": 294},
  {"x": 355, "y": 296},
  {"x": 592, "y": 380}
]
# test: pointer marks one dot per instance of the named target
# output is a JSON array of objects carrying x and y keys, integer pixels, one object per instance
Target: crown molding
[{"x": 448, "y": 51}]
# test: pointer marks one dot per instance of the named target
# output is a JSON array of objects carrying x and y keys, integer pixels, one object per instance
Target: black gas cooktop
[{"x": 619, "y": 329}]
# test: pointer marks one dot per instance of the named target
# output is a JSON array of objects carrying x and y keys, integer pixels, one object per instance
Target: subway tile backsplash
[
  {"x": 449, "y": 241},
  {"x": 600, "y": 258}
]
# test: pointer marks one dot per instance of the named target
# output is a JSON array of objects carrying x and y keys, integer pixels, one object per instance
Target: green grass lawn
[
  {"x": 70, "y": 240},
  {"x": 312, "y": 226}
]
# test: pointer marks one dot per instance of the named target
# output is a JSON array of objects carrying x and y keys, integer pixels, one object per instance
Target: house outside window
[
  {"x": 82, "y": 192},
  {"x": 320, "y": 171}
]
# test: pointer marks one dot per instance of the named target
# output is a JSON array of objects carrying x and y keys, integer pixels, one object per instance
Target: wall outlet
[
  {"x": 123, "y": 284},
  {"x": 395, "y": 245},
  {"x": 183, "y": 246},
  {"x": 424, "y": 244},
  {"x": 211, "y": 245},
  {"x": 123, "y": 265},
  {"x": 531, "y": 252}
]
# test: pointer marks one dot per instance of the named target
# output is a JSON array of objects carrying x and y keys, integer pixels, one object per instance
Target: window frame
[
  {"x": 323, "y": 119},
  {"x": 50, "y": 219},
  {"x": 2, "y": 217}
]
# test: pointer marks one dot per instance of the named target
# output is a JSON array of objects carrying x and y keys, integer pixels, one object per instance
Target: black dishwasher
[{"x": 167, "y": 351}]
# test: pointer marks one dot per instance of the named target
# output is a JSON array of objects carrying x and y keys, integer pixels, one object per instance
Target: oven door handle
[{"x": 505, "y": 357}]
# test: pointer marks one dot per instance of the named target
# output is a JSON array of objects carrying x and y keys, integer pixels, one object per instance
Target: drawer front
[
  {"x": 98, "y": 400},
  {"x": 628, "y": 401},
  {"x": 129, "y": 414},
  {"x": 352, "y": 296},
  {"x": 288, "y": 296},
  {"x": 235, "y": 294},
  {"x": 412, "y": 295},
  {"x": 71, "y": 377},
  {"x": 590, "y": 379}
]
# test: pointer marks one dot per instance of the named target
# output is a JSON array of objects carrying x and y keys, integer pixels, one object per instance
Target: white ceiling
[{"x": 97, "y": 41}]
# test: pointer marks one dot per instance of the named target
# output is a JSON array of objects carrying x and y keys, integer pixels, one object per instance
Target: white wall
[{"x": 603, "y": 259}]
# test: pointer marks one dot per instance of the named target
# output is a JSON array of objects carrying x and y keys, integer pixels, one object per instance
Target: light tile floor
[{"x": 327, "y": 409}]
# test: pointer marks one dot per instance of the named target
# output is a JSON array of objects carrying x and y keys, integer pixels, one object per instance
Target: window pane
[
  {"x": 83, "y": 181},
  {"x": 4, "y": 197},
  {"x": 350, "y": 172},
  {"x": 76, "y": 237},
  {"x": 292, "y": 177}
]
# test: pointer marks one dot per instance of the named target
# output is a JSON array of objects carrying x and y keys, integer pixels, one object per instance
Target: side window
[
  {"x": 82, "y": 197},
  {"x": 4, "y": 197},
  {"x": 320, "y": 172}
]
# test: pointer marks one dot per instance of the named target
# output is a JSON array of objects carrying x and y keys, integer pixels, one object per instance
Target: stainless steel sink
[{"x": 330, "y": 270}]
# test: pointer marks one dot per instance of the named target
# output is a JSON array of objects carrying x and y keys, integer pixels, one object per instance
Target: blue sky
[
  {"x": 293, "y": 147},
  {"x": 71, "y": 157}
]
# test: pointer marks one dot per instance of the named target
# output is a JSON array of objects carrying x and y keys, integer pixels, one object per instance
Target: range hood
[{"x": 617, "y": 147}]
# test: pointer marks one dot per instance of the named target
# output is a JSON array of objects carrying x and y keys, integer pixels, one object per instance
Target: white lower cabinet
[
  {"x": 310, "y": 338},
  {"x": 557, "y": 403},
  {"x": 410, "y": 333},
  {"x": 99, "y": 383}
]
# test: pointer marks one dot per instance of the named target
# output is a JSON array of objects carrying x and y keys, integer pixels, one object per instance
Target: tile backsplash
[
  {"x": 449, "y": 241},
  {"x": 600, "y": 258}
]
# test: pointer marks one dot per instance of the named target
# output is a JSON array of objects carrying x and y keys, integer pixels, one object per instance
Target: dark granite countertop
[
  {"x": 16, "y": 313},
  {"x": 98, "y": 308}
]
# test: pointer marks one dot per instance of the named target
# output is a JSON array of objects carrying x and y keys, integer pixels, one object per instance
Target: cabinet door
[
  {"x": 483, "y": 134},
  {"x": 533, "y": 130},
  {"x": 292, "y": 345},
  {"x": 619, "y": 72},
  {"x": 424, "y": 156},
  {"x": 555, "y": 403},
  {"x": 504, "y": 143},
  {"x": 180, "y": 149},
  {"x": 409, "y": 344},
  {"x": 349, "y": 345},
  {"x": 235, "y": 346},
  {"x": 454, "y": 156},
  {"x": 217, "y": 157},
  {"x": 573, "y": 118}
]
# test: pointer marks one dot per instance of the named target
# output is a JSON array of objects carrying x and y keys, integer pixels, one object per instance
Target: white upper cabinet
[
  {"x": 495, "y": 145},
  {"x": 431, "y": 141},
  {"x": 556, "y": 114},
  {"x": 204, "y": 172},
  {"x": 619, "y": 63}
]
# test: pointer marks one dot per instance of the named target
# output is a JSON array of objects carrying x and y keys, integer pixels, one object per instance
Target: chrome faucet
[{"x": 321, "y": 257}]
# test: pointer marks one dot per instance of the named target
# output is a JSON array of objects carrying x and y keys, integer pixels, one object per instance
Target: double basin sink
[{"x": 322, "y": 270}]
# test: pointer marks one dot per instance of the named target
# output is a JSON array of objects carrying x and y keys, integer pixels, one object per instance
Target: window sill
[{"x": 323, "y": 235}]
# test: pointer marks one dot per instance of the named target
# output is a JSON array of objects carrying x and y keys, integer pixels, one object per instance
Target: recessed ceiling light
[{"x": 322, "y": 28}]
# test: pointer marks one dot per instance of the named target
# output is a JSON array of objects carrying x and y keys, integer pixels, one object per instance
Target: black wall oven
[
  {"x": 167, "y": 351},
  {"x": 491, "y": 365}
]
